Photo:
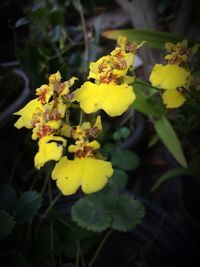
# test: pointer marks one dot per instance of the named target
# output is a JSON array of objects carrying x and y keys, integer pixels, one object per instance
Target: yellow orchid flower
[
  {"x": 50, "y": 148},
  {"x": 173, "y": 98},
  {"x": 112, "y": 98},
  {"x": 89, "y": 173},
  {"x": 169, "y": 76},
  {"x": 26, "y": 113}
]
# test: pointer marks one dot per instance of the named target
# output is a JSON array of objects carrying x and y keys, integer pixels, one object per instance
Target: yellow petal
[
  {"x": 26, "y": 114},
  {"x": 95, "y": 174},
  {"x": 66, "y": 130},
  {"x": 50, "y": 148},
  {"x": 68, "y": 176},
  {"x": 92, "y": 174},
  {"x": 113, "y": 99},
  {"x": 55, "y": 77},
  {"x": 98, "y": 123},
  {"x": 169, "y": 76},
  {"x": 67, "y": 85},
  {"x": 173, "y": 98}
]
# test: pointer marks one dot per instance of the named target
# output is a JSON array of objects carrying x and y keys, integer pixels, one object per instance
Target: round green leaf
[
  {"x": 27, "y": 206},
  {"x": 6, "y": 224},
  {"x": 125, "y": 159},
  {"x": 119, "y": 179},
  {"x": 90, "y": 213},
  {"x": 127, "y": 213}
]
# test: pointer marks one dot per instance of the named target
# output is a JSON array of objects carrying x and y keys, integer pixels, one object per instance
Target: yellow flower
[
  {"x": 44, "y": 93},
  {"x": 50, "y": 148},
  {"x": 84, "y": 149},
  {"x": 67, "y": 85},
  {"x": 112, "y": 98},
  {"x": 43, "y": 129},
  {"x": 26, "y": 114},
  {"x": 89, "y": 173},
  {"x": 112, "y": 67},
  {"x": 169, "y": 76},
  {"x": 55, "y": 78},
  {"x": 173, "y": 98}
]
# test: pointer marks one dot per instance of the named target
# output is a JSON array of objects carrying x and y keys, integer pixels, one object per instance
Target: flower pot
[{"x": 15, "y": 90}]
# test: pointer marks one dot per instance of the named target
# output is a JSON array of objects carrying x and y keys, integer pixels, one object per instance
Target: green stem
[
  {"x": 48, "y": 173},
  {"x": 15, "y": 164},
  {"x": 145, "y": 84},
  {"x": 77, "y": 256},
  {"x": 45, "y": 213},
  {"x": 99, "y": 248},
  {"x": 81, "y": 254},
  {"x": 51, "y": 224},
  {"x": 86, "y": 56},
  {"x": 81, "y": 117}
]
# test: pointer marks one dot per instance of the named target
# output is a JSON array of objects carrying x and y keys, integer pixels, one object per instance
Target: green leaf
[
  {"x": 170, "y": 139},
  {"x": 121, "y": 133},
  {"x": 125, "y": 159},
  {"x": 144, "y": 105},
  {"x": 126, "y": 214},
  {"x": 173, "y": 173},
  {"x": 105, "y": 209},
  {"x": 119, "y": 179},
  {"x": 90, "y": 213},
  {"x": 153, "y": 39},
  {"x": 27, "y": 206},
  {"x": 7, "y": 198},
  {"x": 6, "y": 224}
]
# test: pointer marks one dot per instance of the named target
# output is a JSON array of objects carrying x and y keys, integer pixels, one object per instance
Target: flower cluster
[
  {"x": 48, "y": 115},
  {"x": 174, "y": 77},
  {"x": 111, "y": 82}
]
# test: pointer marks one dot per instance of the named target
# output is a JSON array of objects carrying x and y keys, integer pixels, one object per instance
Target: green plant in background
[
  {"x": 66, "y": 125},
  {"x": 53, "y": 43}
]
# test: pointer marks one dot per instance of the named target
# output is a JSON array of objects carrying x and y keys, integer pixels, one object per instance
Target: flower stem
[
  {"x": 145, "y": 84},
  {"x": 100, "y": 248},
  {"x": 53, "y": 202}
]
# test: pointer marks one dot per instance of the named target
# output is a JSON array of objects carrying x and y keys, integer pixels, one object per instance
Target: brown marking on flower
[
  {"x": 132, "y": 47},
  {"x": 42, "y": 96},
  {"x": 175, "y": 59},
  {"x": 59, "y": 87},
  {"x": 52, "y": 115},
  {"x": 45, "y": 130},
  {"x": 35, "y": 121},
  {"x": 87, "y": 151},
  {"x": 70, "y": 96},
  {"x": 93, "y": 132},
  {"x": 108, "y": 78}
]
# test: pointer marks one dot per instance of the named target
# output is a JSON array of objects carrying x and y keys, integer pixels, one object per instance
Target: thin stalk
[
  {"x": 15, "y": 164},
  {"x": 99, "y": 248},
  {"x": 46, "y": 212},
  {"x": 86, "y": 55},
  {"x": 81, "y": 117},
  {"x": 51, "y": 224},
  {"x": 77, "y": 256},
  {"x": 81, "y": 254},
  {"x": 61, "y": 60},
  {"x": 146, "y": 85}
]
